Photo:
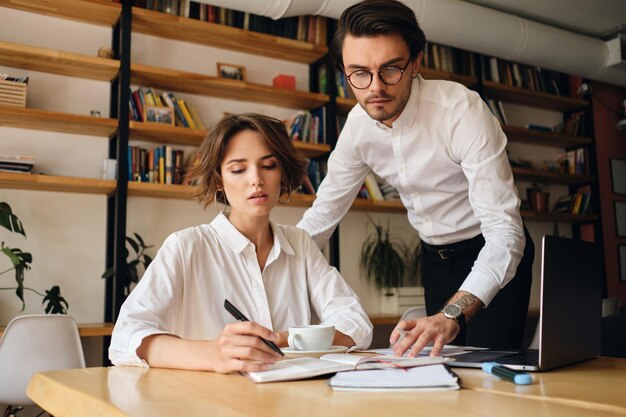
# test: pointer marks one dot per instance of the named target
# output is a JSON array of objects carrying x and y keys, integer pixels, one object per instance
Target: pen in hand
[{"x": 239, "y": 316}]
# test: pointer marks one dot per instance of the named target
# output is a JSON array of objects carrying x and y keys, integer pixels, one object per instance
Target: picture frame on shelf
[
  {"x": 231, "y": 71},
  {"x": 159, "y": 114},
  {"x": 620, "y": 218},
  {"x": 621, "y": 252},
  {"x": 618, "y": 175}
]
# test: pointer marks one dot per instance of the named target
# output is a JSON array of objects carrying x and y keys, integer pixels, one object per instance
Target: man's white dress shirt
[
  {"x": 184, "y": 288},
  {"x": 446, "y": 156}
]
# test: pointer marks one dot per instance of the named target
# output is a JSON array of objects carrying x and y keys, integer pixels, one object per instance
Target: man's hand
[{"x": 437, "y": 329}]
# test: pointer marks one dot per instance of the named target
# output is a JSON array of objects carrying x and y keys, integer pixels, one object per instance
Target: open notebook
[
  {"x": 307, "y": 367},
  {"x": 422, "y": 378}
]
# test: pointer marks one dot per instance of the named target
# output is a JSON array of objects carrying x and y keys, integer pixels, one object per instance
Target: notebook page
[
  {"x": 298, "y": 368},
  {"x": 418, "y": 377}
]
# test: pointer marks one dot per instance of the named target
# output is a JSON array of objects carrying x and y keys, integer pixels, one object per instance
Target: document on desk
[
  {"x": 423, "y": 378},
  {"x": 307, "y": 367}
]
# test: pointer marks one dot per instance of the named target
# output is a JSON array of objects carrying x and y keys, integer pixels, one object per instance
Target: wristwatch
[{"x": 454, "y": 312}]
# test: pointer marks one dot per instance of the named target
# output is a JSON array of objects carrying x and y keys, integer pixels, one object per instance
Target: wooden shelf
[
  {"x": 533, "y": 175},
  {"x": 99, "y": 12},
  {"x": 86, "y": 329},
  {"x": 39, "y": 182},
  {"x": 549, "y": 216},
  {"x": 144, "y": 189},
  {"x": 57, "y": 62},
  {"x": 433, "y": 74},
  {"x": 24, "y": 118},
  {"x": 159, "y": 133},
  {"x": 225, "y": 37},
  {"x": 525, "y": 97},
  {"x": 188, "y": 82},
  {"x": 535, "y": 137}
]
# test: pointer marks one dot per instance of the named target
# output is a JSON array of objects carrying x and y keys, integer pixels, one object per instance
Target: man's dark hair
[{"x": 377, "y": 17}]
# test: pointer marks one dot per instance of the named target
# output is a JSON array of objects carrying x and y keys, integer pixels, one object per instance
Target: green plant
[
  {"x": 140, "y": 257},
  {"x": 20, "y": 261},
  {"x": 383, "y": 259},
  {"x": 414, "y": 275}
]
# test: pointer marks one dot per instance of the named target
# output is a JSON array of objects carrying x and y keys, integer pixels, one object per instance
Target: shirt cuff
[
  {"x": 481, "y": 286},
  {"x": 129, "y": 357},
  {"x": 360, "y": 330}
]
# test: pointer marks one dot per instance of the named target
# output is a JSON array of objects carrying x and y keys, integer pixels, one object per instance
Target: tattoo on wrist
[{"x": 466, "y": 301}]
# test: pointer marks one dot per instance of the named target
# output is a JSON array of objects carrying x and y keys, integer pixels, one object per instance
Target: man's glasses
[{"x": 390, "y": 75}]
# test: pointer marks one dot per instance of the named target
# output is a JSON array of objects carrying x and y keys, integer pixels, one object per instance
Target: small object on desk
[
  {"x": 239, "y": 316},
  {"x": 517, "y": 377}
]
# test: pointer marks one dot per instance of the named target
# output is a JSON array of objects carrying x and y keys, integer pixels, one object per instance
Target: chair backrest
[
  {"x": 35, "y": 343},
  {"x": 413, "y": 313}
]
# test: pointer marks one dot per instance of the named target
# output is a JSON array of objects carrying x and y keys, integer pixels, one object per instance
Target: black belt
[{"x": 454, "y": 249}]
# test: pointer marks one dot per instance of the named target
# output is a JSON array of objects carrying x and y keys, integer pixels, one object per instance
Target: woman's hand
[{"x": 239, "y": 348}]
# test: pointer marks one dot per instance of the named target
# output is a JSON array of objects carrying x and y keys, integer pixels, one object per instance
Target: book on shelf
[
  {"x": 524, "y": 76},
  {"x": 184, "y": 115},
  {"x": 162, "y": 165},
  {"x": 308, "y": 367},
  {"x": 372, "y": 187},
  {"x": 17, "y": 163},
  {"x": 424, "y": 378},
  {"x": 539, "y": 128}
]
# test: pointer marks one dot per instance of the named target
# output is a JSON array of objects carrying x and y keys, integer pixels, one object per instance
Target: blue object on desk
[{"x": 517, "y": 377}]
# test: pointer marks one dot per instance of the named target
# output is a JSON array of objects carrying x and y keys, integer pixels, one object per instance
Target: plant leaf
[
  {"x": 139, "y": 239},
  {"x": 132, "y": 243},
  {"x": 10, "y": 221},
  {"x": 55, "y": 301}
]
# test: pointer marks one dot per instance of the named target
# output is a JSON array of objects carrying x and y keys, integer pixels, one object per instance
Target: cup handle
[{"x": 292, "y": 341}]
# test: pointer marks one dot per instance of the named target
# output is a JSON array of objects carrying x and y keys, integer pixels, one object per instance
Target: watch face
[{"x": 452, "y": 311}]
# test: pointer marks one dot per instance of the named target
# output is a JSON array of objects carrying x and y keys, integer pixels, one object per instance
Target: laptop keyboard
[{"x": 529, "y": 357}]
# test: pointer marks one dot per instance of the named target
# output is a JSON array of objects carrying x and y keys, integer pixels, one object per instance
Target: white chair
[
  {"x": 414, "y": 313},
  {"x": 31, "y": 344}
]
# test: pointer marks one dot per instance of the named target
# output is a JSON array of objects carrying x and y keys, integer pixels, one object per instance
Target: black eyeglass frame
[{"x": 371, "y": 73}]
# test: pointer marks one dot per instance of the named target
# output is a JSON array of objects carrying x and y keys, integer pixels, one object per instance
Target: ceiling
[{"x": 595, "y": 18}]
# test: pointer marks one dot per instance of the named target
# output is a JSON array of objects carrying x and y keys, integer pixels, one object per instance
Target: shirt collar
[
  {"x": 238, "y": 242},
  {"x": 409, "y": 113}
]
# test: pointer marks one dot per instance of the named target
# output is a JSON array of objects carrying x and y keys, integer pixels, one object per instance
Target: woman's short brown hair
[{"x": 206, "y": 172}]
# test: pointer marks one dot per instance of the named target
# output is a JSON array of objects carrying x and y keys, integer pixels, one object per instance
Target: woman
[{"x": 274, "y": 274}]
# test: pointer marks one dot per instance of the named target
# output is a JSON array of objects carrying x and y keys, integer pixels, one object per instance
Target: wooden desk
[
  {"x": 86, "y": 329},
  {"x": 594, "y": 388}
]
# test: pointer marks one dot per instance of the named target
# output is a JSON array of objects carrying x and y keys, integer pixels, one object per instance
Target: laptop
[{"x": 570, "y": 311}]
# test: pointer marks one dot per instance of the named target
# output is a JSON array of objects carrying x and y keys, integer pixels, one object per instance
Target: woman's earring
[
  {"x": 288, "y": 199},
  {"x": 222, "y": 211}
]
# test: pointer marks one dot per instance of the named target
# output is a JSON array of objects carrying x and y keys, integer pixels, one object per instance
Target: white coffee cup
[{"x": 311, "y": 337}]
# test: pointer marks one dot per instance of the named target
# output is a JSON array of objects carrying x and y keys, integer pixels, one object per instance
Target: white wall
[{"x": 66, "y": 232}]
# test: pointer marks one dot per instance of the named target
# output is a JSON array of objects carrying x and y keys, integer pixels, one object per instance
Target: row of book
[
  {"x": 524, "y": 76},
  {"x": 7, "y": 77},
  {"x": 446, "y": 58},
  {"x": 303, "y": 28},
  {"x": 162, "y": 165},
  {"x": 17, "y": 163},
  {"x": 377, "y": 189},
  {"x": 308, "y": 126},
  {"x": 146, "y": 106},
  {"x": 314, "y": 176},
  {"x": 575, "y": 162},
  {"x": 577, "y": 203}
]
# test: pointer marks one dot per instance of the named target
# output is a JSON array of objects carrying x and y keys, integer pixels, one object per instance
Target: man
[{"x": 437, "y": 143}]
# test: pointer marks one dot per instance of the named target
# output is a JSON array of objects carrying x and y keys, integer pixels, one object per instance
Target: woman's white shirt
[{"x": 183, "y": 291}]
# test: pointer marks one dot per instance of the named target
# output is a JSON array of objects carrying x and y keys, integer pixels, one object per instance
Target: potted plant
[
  {"x": 383, "y": 260},
  {"x": 20, "y": 261},
  {"x": 538, "y": 199},
  {"x": 131, "y": 276}
]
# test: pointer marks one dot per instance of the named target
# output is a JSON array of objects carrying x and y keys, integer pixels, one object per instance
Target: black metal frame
[{"x": 118, "y": 145}]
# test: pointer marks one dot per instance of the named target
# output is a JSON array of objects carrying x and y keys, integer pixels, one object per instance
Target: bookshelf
[
  {"x": 530, "y": 98},
  {"x": 173, "y": 80},
  {"x": 225, "y": 37},
  {"x": 39, "y": 182},
  {"x": 98, "y": 12}
]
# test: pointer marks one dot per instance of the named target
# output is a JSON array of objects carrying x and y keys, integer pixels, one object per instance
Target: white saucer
[{"x": 292, "y": 353}]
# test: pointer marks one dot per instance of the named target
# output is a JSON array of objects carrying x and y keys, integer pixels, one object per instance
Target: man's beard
[{"x": 380, "y": 114}]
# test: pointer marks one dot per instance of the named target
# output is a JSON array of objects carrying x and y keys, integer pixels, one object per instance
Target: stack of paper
[{"x": 423, "y": 378}]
